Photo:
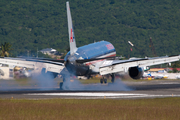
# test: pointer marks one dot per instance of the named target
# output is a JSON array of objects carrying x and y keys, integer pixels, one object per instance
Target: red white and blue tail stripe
[{"x": 72, "y": 41}]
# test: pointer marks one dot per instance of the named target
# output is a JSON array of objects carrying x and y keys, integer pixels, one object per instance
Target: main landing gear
[
  {"x": 112, "y": 77},
  {"x": 65, "y": 78},
  {"x": 61, "y": 84},
  {"x": 104, "y": 80}
]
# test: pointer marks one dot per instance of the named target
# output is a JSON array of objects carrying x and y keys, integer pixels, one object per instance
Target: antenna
[
  {"x": 28, "y": 53},
  {"x": 37, "y": 52}
]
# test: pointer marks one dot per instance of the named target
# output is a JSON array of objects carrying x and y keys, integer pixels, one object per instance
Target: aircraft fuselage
[{"x": 93, "y": 50}]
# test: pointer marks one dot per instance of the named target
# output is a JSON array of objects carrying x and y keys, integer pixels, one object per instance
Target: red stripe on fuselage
[{"x": 93, "y": 62}]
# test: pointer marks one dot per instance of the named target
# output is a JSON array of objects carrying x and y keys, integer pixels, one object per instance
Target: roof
[
  {"x": 159, "y": 69},
  {"x": 156, "y": 69},
  {"x": 47, "y": 49},
  {"x": 176, "y": 68}
]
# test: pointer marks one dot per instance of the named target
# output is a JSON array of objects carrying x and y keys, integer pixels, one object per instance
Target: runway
[{"x": 137, "y": 90}]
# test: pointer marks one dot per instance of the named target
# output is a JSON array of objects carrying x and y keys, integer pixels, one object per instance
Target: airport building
[
  {"x": 49, "y": 51},
  {"x": 157, "y": 70},
  {"x": 162, "y": 70}
]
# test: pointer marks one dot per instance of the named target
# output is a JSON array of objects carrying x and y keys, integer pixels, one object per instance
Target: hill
[{"x": 32, "y": 24}]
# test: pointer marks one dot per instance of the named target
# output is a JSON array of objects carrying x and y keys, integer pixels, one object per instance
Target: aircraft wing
[
  {"x": 114, "y": 66},
  {"x": 50, "y": 65}
]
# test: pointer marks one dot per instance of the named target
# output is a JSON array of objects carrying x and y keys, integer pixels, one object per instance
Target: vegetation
[
  {"x": 104, "y": 109},
  {"x": 32, "y": 24},
  {"x": 4, "y": 49},
  {"x": 175, "y": 65}
]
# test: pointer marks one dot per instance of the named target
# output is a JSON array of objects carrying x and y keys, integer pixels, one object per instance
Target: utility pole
[
  {"x": 37, "y": 52},
  {"x": 28, "y": 53}
]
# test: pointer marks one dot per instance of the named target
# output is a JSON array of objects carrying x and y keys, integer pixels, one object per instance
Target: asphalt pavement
[{"x": 118, "y": 90}]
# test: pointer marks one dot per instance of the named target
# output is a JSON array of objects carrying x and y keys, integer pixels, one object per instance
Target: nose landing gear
[{"x": 112, "y": 78}]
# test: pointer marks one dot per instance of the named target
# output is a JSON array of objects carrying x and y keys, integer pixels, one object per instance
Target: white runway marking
[
  {"x": 169, "y": 83},
  {"x": 89, "y": 95}
]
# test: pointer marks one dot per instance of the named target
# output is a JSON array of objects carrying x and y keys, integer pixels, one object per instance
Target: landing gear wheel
[
  {"x": 105, "y": 81},
  {"x": 88, "y": 77},
  {"x": 112, "y": 78},
  {"x": 60, "y": 85},
  {"x": 101, "y": 81}
]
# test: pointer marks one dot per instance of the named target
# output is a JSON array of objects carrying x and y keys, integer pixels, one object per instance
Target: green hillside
[{"x": 32, "y": 24}]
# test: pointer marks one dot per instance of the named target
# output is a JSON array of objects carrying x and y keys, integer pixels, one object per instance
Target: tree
[
  {"x": 4, "y": 49},
  {"x": 175, "y": 70},
  {"x": 41, "y": 55},
  {"x": 175, "y": 65}
]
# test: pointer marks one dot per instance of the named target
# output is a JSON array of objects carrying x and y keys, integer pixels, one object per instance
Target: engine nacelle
[{"x": 136, "y": 72}]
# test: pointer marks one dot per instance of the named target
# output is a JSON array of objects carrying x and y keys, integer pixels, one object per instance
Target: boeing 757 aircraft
[{"x": 95, "y": 58}]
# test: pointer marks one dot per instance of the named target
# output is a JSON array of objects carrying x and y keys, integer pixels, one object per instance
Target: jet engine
[{"x": 136, "y": 72}]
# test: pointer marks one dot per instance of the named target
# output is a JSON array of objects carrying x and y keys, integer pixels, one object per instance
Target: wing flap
[
  {"x": 34, "y": 63},
  {"x": 20, "y": 63},
  {"x": 158, "y": 61}
]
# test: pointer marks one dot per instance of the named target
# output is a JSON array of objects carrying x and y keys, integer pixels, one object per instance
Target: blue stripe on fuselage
[{"x": 94, "y": 50}]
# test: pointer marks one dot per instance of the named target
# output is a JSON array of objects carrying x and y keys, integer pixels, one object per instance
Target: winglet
[{"x": 72, "y": 41}]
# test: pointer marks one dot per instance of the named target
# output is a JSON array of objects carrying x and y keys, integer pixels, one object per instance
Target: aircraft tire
[
  {"x": 101, "y": 81},
  {"x": 105, "y": 81},
  {"x": 60, "y": 85},
  {"x": 112, "y": 78}
]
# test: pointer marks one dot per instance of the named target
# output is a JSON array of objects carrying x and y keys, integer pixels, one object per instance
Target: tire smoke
[
  {"x": 118, "y": 85},
  {"x": 44, "y": 81}
]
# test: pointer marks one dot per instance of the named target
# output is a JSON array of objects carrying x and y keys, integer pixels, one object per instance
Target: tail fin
[{"x": 72, "y": 41}]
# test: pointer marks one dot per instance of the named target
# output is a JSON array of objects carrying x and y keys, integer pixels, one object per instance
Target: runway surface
[{"x": 134, "y": 90}]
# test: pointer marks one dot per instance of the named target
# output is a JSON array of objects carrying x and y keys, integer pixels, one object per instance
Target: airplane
[{"x": 94, "y": 58}]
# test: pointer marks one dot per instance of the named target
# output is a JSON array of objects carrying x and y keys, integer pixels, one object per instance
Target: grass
[
  {"x": 104, "y": 109},
  {"x": 100, "y": 109}
]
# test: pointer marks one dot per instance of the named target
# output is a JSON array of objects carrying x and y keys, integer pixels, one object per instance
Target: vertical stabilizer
[{"x": 72, "y": 41}]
